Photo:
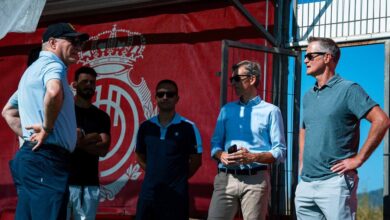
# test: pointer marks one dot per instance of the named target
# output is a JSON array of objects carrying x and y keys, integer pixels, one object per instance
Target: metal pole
[
  {"x": 296, "y": 113},
  {"x": 296, "y": 121},
  {"x": 294, "y": 31},
  {"x": 224, "y": 72},
  {"x": 386, "y": 159},
  {"x": 254, "y": 22}
]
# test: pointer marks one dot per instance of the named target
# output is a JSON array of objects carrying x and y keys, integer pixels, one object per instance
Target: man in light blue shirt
[
  {"x": 42, "y": 112},
  {"x": 248, "y": 136}
]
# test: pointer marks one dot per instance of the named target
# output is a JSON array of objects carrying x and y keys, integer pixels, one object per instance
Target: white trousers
[
  {"x": 83, "y": 202},
  {"x": 333, "y": 198}
]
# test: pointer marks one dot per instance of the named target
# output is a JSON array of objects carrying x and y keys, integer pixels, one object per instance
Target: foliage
[{"x": 366, "y": 211}]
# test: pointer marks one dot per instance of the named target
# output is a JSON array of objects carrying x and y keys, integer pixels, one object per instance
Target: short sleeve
[
  {"x": 196, "y": 141},
  {"x": 13, "y": 100},
  {"x": 359, "y": 103},
  {"x": 53, "y": 70}
]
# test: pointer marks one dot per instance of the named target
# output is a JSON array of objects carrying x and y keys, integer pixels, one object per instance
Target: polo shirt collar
[
  {"x": 254, "y": 101},
  {"x": 335, "y": 79},
  {"x": 51, "y": 55},
  {"x": 176, "y": 120}
]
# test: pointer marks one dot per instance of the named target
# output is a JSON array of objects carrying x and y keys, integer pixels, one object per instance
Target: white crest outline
[{"x": 119, "y": 56}]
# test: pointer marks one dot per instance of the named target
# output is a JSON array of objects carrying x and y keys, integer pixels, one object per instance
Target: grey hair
[
  {"x": 45, "y": 45},
  {"x": 251, "y": 68},
  {"x": 327, "y": 45}
]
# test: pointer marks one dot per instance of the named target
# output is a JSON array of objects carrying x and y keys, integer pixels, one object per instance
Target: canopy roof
[{"x": 63, "y": 8}]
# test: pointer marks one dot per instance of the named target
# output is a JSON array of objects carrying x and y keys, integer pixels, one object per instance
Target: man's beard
[{"x": 85, "y": 94}]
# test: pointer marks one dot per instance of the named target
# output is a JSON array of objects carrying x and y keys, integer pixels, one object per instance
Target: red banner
[{"x": 132, "y": 51}]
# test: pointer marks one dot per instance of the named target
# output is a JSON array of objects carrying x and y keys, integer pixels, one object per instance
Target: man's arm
[
  {"x": 218, "y": 139},
  {"x": 380, "y": 123},
  {"x": 243, "y": 156},
  {"x": 301, "y": 147},
  {"x": 225, "y": 158},
  {"x": 52, "y": 104},
  {"x": 141, "y": 158},
  {"x": 277, "y": 153},
  {"x": 195, "y": 163},
  {"x": 94, "y": 143},
  {"x": 11, "y": 115}
]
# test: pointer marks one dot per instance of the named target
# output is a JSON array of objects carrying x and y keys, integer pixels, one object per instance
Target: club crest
[{"x": 113, "y": 54}]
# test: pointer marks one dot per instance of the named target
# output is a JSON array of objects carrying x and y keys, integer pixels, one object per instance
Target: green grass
[{"x": 366, "y": 211}]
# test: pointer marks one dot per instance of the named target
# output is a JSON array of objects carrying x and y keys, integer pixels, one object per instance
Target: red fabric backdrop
[{"x": 132, "y": 51}]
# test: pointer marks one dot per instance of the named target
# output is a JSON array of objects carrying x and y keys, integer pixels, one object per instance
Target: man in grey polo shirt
[{"x": 329, "y": 137}]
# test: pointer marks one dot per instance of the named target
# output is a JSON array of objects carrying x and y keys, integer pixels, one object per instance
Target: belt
[
  {"x": 56, "y": 148},
  {"x": 247, "y": 172},
  {"x": 52, "y": 147}
]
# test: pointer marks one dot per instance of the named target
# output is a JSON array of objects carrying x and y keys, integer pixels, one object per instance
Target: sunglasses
[
  {"x": 167, "y": 94},
  {"x": 310, "y": 56},
  {"x": 238, "y": 78}
]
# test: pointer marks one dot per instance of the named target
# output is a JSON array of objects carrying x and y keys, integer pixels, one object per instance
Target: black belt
[
  {"x": 56, "y": 148},
  {"x": 52, "y": 147},
  {"x": 247, "y": 172}
]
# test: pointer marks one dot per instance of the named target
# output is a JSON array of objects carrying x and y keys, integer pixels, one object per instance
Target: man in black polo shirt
[
  {"x": 93, "y": 142},
  {"x": 169, "y": 150}
]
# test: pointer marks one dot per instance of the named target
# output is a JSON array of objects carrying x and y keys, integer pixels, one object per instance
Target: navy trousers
[
  {"x": 41, "y": 180},
  {"x": 152, "y": 210}
]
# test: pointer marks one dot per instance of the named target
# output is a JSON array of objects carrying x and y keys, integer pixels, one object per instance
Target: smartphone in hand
[{"x": 232, "y": 149}]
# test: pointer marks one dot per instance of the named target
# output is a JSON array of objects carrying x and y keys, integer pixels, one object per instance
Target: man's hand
[
  {"x": 39, "y": 135},
  {"x": 226, "y": 159},
  {"x": 89, "y": 139},
  {"x": 243, "y": 156},
  {"x": 345, "y": 165}
]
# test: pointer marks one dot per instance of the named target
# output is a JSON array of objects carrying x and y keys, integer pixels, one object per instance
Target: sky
[{"x": 365, "y": 66}]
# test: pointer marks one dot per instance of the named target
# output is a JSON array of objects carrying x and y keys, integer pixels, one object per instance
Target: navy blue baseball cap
[{"x": 63, "y": 30}]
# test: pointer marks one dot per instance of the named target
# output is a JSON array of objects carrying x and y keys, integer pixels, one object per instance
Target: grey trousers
[{"x": 333, "y": 198}]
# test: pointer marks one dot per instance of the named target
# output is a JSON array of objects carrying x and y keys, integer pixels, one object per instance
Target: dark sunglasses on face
[
  {"x": 310, "y": 56},
  {"x": 238, "y": 78},
  {"x": 168, "y": 94}
]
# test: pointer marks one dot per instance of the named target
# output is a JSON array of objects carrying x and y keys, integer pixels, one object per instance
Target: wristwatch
[{"x": 47, "y": 130}]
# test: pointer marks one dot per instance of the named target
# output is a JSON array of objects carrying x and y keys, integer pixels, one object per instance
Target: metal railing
[{"x": 342, "y": 20}]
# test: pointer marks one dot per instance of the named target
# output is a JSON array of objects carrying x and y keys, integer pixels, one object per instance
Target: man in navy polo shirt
[
  {"x": 169, "y": 150},
  {"x": 329, "y": 137}
]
